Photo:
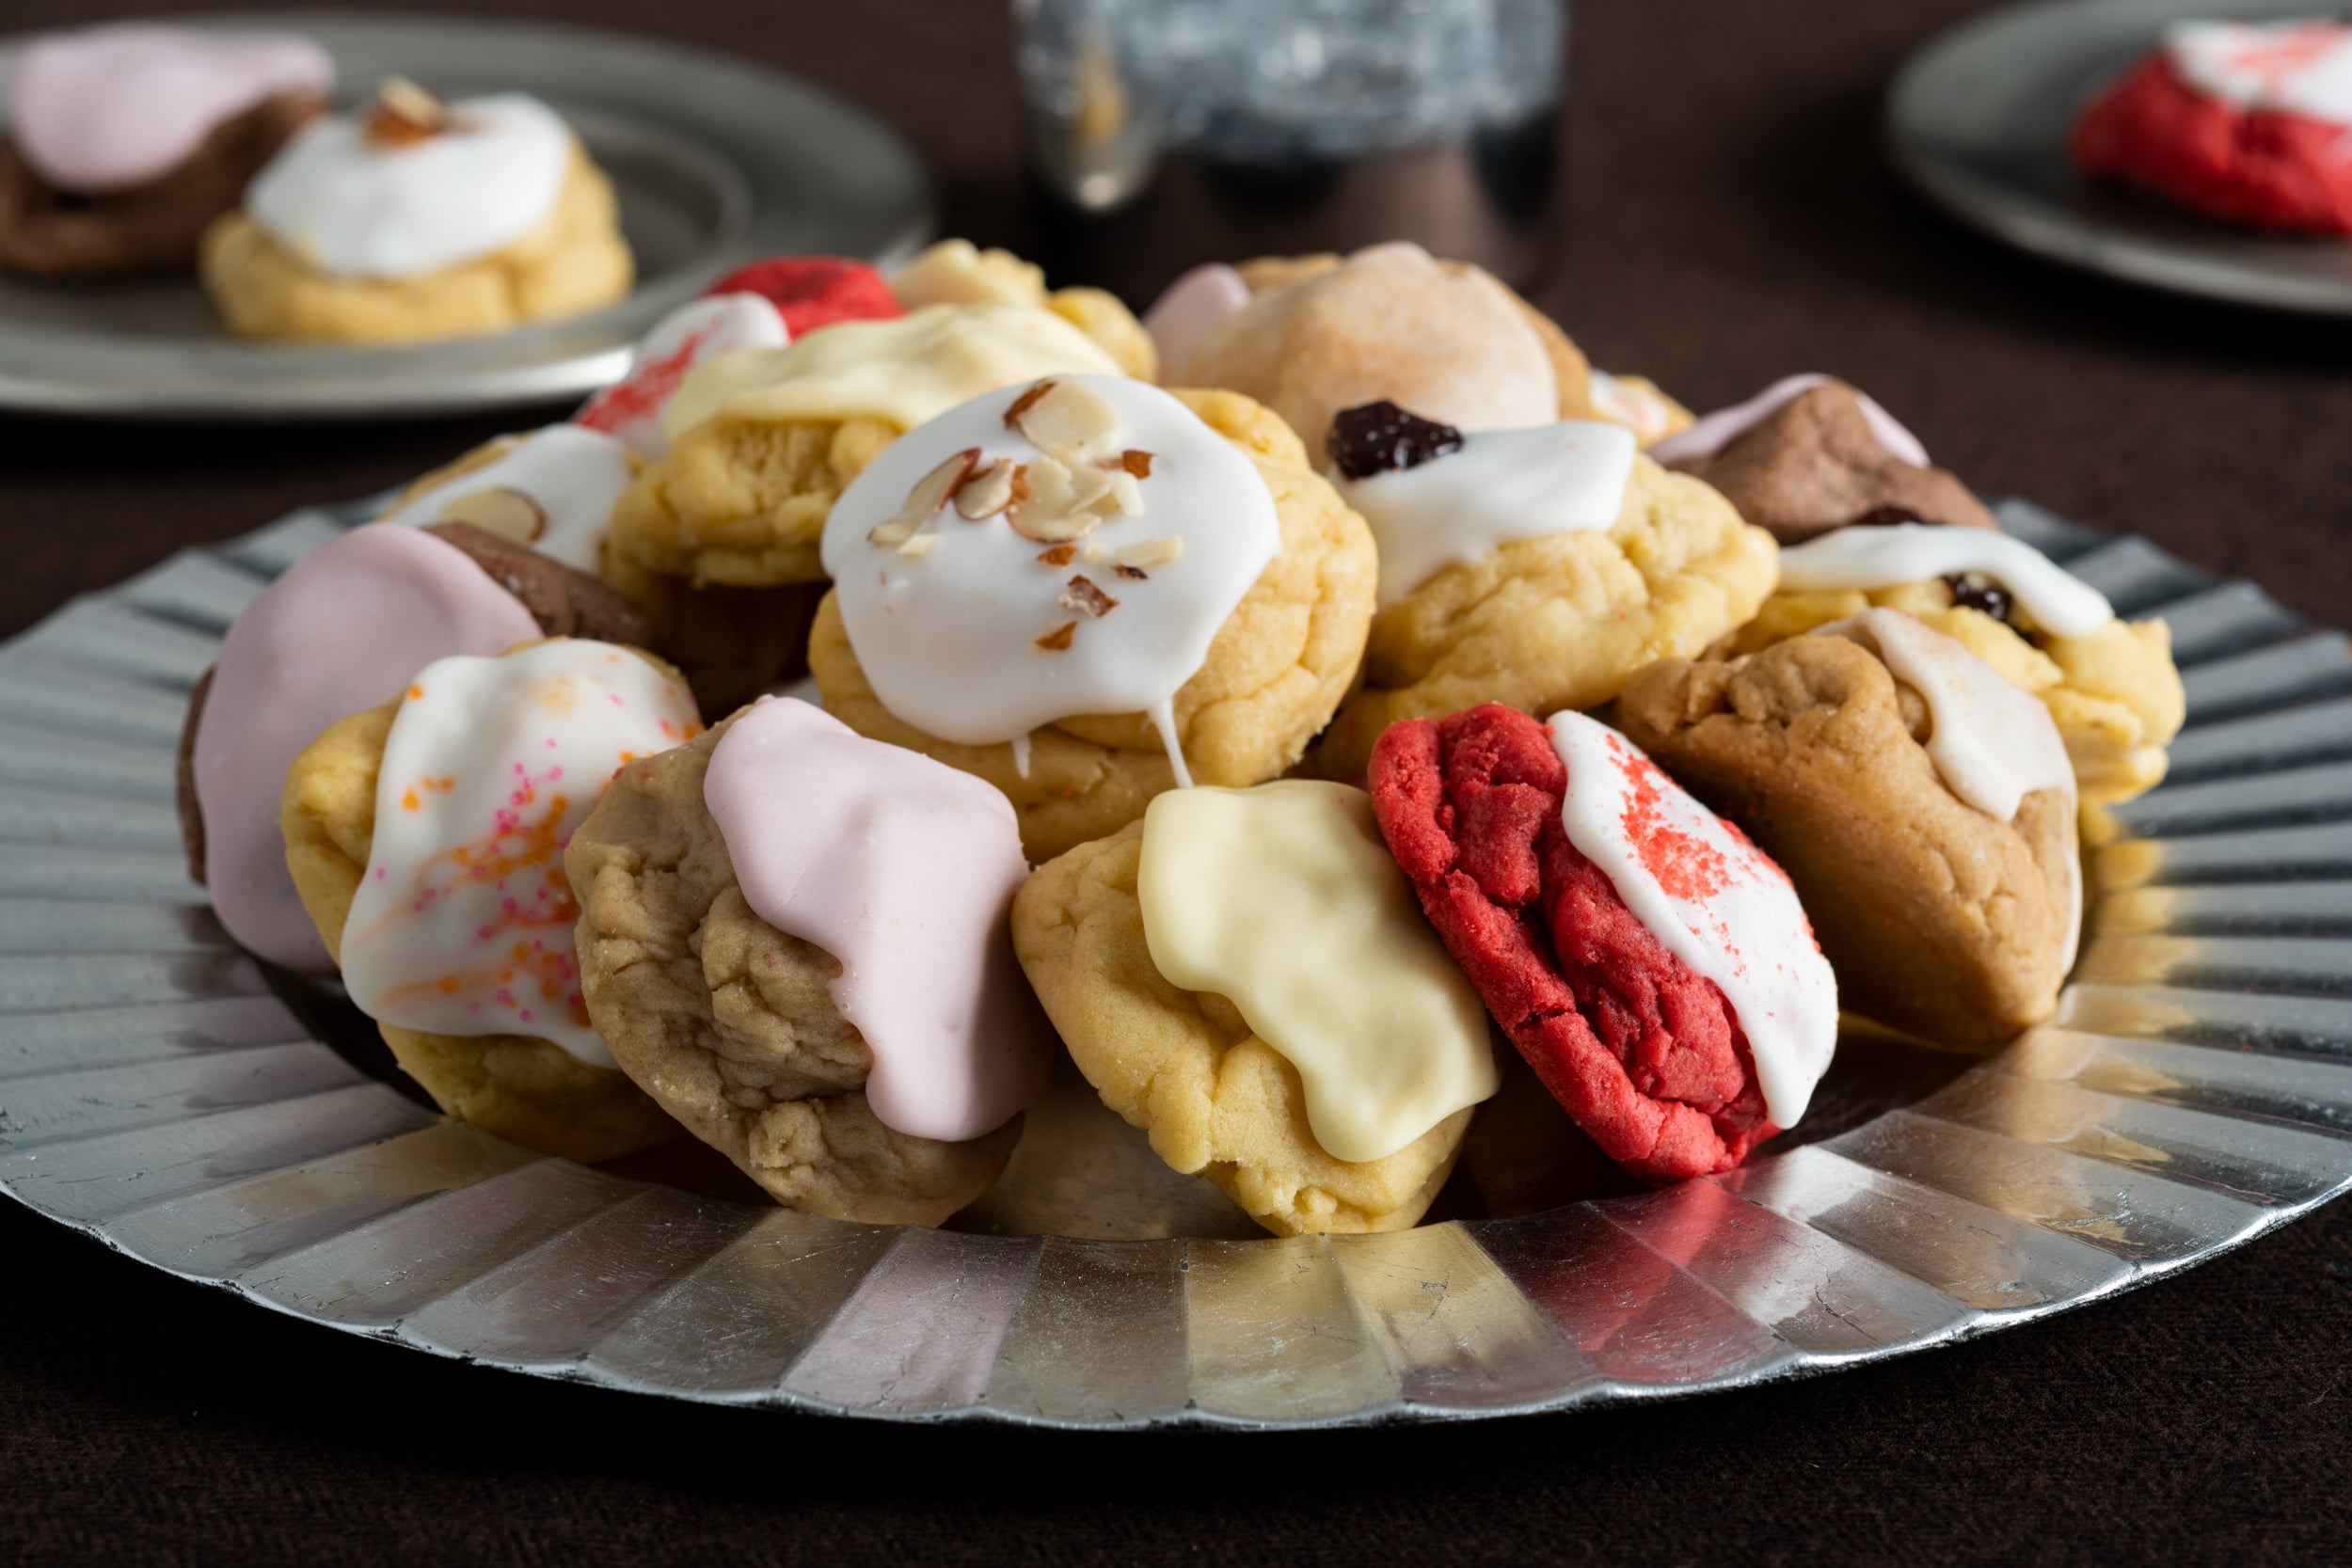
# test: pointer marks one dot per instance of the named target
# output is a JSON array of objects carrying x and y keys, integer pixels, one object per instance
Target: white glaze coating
[
  {"x": 1284, "y": 900},
  {"x": 463, "y": 922},
  {"x": 631, "y": 409},
  {"x": 1723, "y": 907},
  {"x": 1499, "y": 485},
  {"x": 2296, "y": 68},
  {"x": 1991, "y": 744},
  {"x": 1711, "y": 432},
  {"x": 351, "y": 207},
  {"x": 1874, "y": 556},
  {"x": 574, "y": 475},
  {"x": 949, "y": 638}
]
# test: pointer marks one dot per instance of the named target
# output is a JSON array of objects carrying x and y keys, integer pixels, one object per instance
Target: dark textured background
[{"x": 1726, "y": 221}]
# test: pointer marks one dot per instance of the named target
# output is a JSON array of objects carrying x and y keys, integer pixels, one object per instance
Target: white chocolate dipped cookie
[
  {"x": 1088, "y": 590},
  {"x": 427, "y": 840},
  {"x": 414, "y": 220},
  {"x": 1244, "y": 975}
]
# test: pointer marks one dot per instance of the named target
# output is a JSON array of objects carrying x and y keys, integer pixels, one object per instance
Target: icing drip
[
  {"x": 2292, "y": 68},
  {"x": 1714, "y": 432},
  {"x": 1162, "y": 716},
  {"x": 1498, "y": 486},
  {"x": 1715, "y": 901},
  {"x": 977, "y": 634},
  {"x": 1284, "y": 901},
  {"x": 902, "y": 870},
  {"x": 1874, "y": 556},
  {"x": 342, "y": 631},
  {"x": 351, "y": 207},
  {"x": 463, "y": 922},
  {"x": 1021, "y": 753},
  {"x": 901, "y": 371},
  {"x": 573, "y": 476},
  {"x": 1188, "y": 308},
  {"x": 1991, "y": 744},
  {"x": 109, "y": 108},
  {"x": 631, "y": 409}
]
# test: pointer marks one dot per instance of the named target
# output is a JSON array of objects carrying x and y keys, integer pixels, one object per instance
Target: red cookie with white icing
[{"x": 1650, "y": 963}]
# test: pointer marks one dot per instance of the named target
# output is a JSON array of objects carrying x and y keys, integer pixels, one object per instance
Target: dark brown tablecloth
[{"x": 1727, "y": 220}]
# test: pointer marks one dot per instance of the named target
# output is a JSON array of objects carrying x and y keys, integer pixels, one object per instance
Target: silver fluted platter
[
  {"x": 2194, "y": 1091},
  {"x": 716, "y": 160},
  {"x": 1978, "y": 120}
]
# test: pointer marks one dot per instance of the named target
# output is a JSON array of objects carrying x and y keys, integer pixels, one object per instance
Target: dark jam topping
[
  {"x": 1887, "y": 516},
  {"x": 1971, "y": 592},
  {"x": 1380, "y": 438}
]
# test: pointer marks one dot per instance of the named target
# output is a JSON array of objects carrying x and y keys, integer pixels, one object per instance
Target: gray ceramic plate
[
  {"x": 716, "y": 162},
  {"x": 157, "y": 1092},
  {"x": 1978, "y": 118}
]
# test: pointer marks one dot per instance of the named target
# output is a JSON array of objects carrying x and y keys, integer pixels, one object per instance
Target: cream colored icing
[
  {"x": 1711, "y": 898},
  {"x": 1991, "y": 744},
  {"x": 2296, "y": 68},
  {"x": 902, "y": 372},
  {"x": 1498, "y": 486},
  {"x": 1873, "y": 557},
  {"x": 573, "y": 475},
  {"x": 1284, "y": 900},
  {"x": 462, "y": 921}
]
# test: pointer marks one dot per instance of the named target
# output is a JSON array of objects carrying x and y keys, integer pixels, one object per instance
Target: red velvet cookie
[
  {"x": 1646, "y": 1055},
  {"x": 816, "y": 291}
]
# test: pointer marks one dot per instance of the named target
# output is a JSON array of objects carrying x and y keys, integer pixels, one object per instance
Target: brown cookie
[
  {"x": 1938, "y": 918},
  {"x": 1815, "y": 464},
  {"x": 564, "y": 601},
  {"x": 150, "y": 227}
]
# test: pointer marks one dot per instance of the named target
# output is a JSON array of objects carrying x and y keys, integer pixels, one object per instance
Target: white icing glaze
[
  {"x": 463, "y": 922},
  {"x": 1711, "y": 432},
  {"x": 631, "y": 409},
  {"x": 2295, "y": 68},
  {"x": 1870, "y": 558},
  {"x": 1722, "y": 906},
  {"x": 351, "y": 207},
  {"x": 902, "y": 372},
  {"x": 1991, "y": 744},
  {"x": 1639, "y": 409},
  {"x": 1284, "y": 900},
  {"x": 1186, "y": 311},
  {"x": 1499, "y": 485},
  {"x": 574, "y": 475},
  {"x": 949, "y": 638}
]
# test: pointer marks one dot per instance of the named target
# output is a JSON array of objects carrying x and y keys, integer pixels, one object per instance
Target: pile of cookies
[{"x": 1304, "y": 709}]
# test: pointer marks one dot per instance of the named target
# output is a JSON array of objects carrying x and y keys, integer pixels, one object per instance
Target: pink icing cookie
[
  {"x": 340, "y": 632},
  {"x": 630, "y": 409},
  {"x": 111, "y": 107},
  {"x": 1716, "y": 431},
  {"x": 1188, "y": 308},
  {"x": 903, "y": 869}
]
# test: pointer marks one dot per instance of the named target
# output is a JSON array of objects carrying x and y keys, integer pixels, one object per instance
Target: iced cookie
[
  {"x": 1922, "y": 804},
  {"x": 956, "y": 272},
  {"x": 631, "y": 409},
  {"x": 1536, "y": 568},
  {"x": 552, "y": 489},
  {"x": 1243, "y": 975},
  {"x": 2109, "y": 683},
  {"x": 1651, "y": 965},
  {"x": 796, "y": 939},
  {"x": 1641, "y": 406},
  {"x": 125, "y": 141},
  {"x": 763, "y": 441},
  {"x": 414, "y": 220},
  {"x": 427, "y": 840},
  {"x": 1086, "y": 591},
  {"x": 1809, "y": 454}
]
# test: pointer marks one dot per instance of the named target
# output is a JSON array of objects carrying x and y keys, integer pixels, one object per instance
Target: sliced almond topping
[
  {"x": 1150, "y": 552},
  {"x": 931, "y": 491},
  {"x": 1124, "y": 496},
  {"x": 1059, "y": 556},
  {"x": 509, "y": 513},
  {"x": 1135, "y": 574},
  {"x": 989, "y": 491},
  {"x": 404, "y": 114},
  {"x": 1058, "y": 504},
  {"x": 920, "y": 545},
  {"x": 897, "y": 532},
  {"x": 1083, "y": 596},
  {"x": 1136, "y": 463},
  {"x": 1069, "y": 418},
  {"x": 1058, "y": 641},
  {"x": 1094, "y": 552},
  {"x": 1024, "y": 402}
]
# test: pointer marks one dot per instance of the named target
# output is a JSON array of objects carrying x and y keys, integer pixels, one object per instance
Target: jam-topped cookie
[
  {"x": 1649, "y": 962},
  {"x": 1086, "y": 591},
  {"x": 797, "y": 941},
  {"x": 125, "y": 141},
  {"x": 1534, "y": 567},
  {"x": 1924, "y": 806},
  {"x": 413, "y": 219},
  {"x": 427, "y": 839},
  {"x": 1243, "y": 974}
]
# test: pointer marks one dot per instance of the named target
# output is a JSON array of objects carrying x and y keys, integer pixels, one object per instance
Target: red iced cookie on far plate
[
  {"x": 1646, "y": 1054},
  {"x": 2249, "y": 124},
  {"x": 816, "y": 291}
]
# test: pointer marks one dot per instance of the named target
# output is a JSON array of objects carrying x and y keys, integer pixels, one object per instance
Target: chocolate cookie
[{"x": 565, "y": 603}]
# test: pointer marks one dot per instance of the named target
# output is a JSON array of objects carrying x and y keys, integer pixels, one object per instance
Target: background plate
[
  {"x": 2194, "y": 1091},
  {"x": 716, "y": 162},
  {"x": 1978, "y": 120}
]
